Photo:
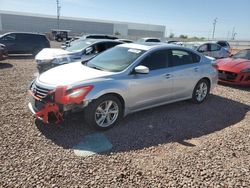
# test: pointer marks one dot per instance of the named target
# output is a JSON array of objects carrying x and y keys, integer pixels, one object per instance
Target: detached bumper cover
[{"x": 49, "y": 112}]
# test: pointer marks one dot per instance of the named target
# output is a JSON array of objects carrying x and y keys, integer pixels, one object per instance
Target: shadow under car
[{"x": 174, "y": 122}]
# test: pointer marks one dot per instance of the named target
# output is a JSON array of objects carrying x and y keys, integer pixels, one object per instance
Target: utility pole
[
  {"x": 58, "y": 14},
  {"x": 214, "y": 24},
  {"x": 233, "y": 33}
]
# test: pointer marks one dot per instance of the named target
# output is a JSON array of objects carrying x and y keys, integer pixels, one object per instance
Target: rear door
[
  {"x": 186, "y": 72},
  {"x": 156, "y": 86},
  {"x": 25, "y": 43},
  {"x": 215, "y": 50}
]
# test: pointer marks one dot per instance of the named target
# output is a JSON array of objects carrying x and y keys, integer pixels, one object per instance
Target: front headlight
[
  {"x": 61, "y": 60},
  {"x": 245, "y": 70}
]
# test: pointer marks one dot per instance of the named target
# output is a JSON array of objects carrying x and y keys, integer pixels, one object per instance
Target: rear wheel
[
  {"x": 201, "y": 91},
  {"x": 104, "y": 113}
]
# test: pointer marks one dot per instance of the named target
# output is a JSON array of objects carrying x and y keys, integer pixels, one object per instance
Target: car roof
[
  {"x": 30, "y": 33},
  {"x": 149, "y": 45},
  {"x": 98, "y": 40},
  {"x": 150, "y": 38}
]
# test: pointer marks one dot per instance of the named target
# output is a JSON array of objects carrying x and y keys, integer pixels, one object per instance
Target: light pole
[
  {"x": 214, "y": 23},
  {"x": 58, "y": 14}
]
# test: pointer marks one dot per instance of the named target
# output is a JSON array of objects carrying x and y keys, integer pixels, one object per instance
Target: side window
[
  {"x": 10, "y": 37},
  {"x": 215, "y": 47},
  {"x": 111, "y": 44},
  {"x": 25, "y": 38},
  {"x": 181, "y": 57},
  {"x": 156, "y": 60},
  {"x": 203, "y": 48},
  {"x": 99, "y": 48},
  {"x": 95, "y": 49}
]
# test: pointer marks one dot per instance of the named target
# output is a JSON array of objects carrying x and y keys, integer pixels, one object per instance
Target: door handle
[
  {"x": 196, "y": 69},
  {"x": 167, "y": 76}
]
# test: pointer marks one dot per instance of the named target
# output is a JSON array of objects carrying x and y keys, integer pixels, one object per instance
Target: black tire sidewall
[
  {"x": 194, "y": 99},
  {"x": 91, "y": 109}
]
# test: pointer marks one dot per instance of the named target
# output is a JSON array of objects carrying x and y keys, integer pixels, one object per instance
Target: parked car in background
[
  {"x": 66, "y": 44},
  {"x": 148, "y": 40},
  {"x": 209, "y": 49},
  {"x": 99, "y": 36},
  {"x": 122, "y": 80},
  {"x": 125, "y": 40},
  {"x": 60, "y": 35},
  {"x": 80, "y": 50},
  {"x": 236, "y": 69},
  {"x": 225, "y": 45},
  {"x": 91, "y": 36},
  {"x": 175, "y": 42},
  {"x": 3, "y": 52},
  {"x": 24, "y": 43}
]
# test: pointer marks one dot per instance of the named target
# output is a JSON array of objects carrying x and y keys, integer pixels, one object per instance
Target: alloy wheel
[
  {"x": 106, "y": 113},
  {"x": 201, "y": 91}
]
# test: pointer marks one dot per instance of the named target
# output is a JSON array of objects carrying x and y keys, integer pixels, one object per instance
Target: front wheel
[
  {"x": 201, "y": 91},
  {"x": 104, "y": 113}
]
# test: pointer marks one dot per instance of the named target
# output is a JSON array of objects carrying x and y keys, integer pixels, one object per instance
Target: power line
[{"x": 214, "y": 24}]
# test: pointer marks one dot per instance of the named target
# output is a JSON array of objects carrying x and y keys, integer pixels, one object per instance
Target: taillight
[{"x": 64, "y": 95}]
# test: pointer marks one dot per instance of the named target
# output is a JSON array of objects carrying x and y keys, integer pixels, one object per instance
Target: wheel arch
[
  {"x": 207, "y": 79},
  {"x": 121, "y": 99}
]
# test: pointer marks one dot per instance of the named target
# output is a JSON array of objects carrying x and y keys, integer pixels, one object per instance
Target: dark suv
[{"x": 24, "y": 43}]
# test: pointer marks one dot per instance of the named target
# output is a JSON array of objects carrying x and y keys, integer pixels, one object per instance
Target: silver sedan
[{"x": 123, "y": 80}]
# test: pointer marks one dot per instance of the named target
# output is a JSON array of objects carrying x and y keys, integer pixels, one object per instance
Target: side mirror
[
  {"x": 88, "y": 50},
  {"x": 141, "y": 69}
]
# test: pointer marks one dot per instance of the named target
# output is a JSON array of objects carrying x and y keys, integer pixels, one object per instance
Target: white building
[{"x": 26, "y": 22}]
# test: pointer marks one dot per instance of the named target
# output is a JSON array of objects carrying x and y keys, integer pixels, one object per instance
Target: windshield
[
  {"x": 115, "y": 59},
  {"x": 79, "y": 45},
  {"x": 244, "y": 54}
]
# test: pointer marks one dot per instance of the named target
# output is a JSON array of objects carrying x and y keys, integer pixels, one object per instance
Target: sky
[{"x": 187, "y": 17}]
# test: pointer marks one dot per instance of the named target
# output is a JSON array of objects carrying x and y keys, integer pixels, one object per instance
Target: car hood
[
  {"x": 231, "y": 64},
  {"x": 51, "y": 53},
  {"x": 70, "y": 74}
]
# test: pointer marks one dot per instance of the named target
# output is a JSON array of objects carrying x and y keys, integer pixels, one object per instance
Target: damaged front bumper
[
  {"x": 45, "y": 110},
  {"x": 53, "y": 107}
]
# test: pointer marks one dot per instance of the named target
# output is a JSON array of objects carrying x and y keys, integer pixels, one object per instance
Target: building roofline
[{"x": 78, "y": 19}]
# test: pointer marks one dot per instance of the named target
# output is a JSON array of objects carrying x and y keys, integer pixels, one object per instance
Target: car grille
[
  {"x": 225, "y": 75},
  {"x": 39, "y": 91}
]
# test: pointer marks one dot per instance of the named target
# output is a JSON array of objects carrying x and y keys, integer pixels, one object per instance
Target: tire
[
  {"x": 104, "y": 112},
  {"x": 201, "y": 91}
]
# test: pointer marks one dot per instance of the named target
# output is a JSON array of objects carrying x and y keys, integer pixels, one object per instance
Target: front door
[{"x": 156, "y": 86}]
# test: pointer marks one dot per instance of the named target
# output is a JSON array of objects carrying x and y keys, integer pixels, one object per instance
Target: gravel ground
[{"x": 177, "y": 145}]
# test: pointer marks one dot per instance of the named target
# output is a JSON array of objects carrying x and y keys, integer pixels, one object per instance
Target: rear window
[
  {"x": 223, "y": 44},
  {"x": 153, "y": 40}
]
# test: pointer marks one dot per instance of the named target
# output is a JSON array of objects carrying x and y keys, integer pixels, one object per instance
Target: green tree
[
  {"x": 117, "y": 33},
  {"x": 171, "y": 35},
  {"x": 183, "y": 36}
]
